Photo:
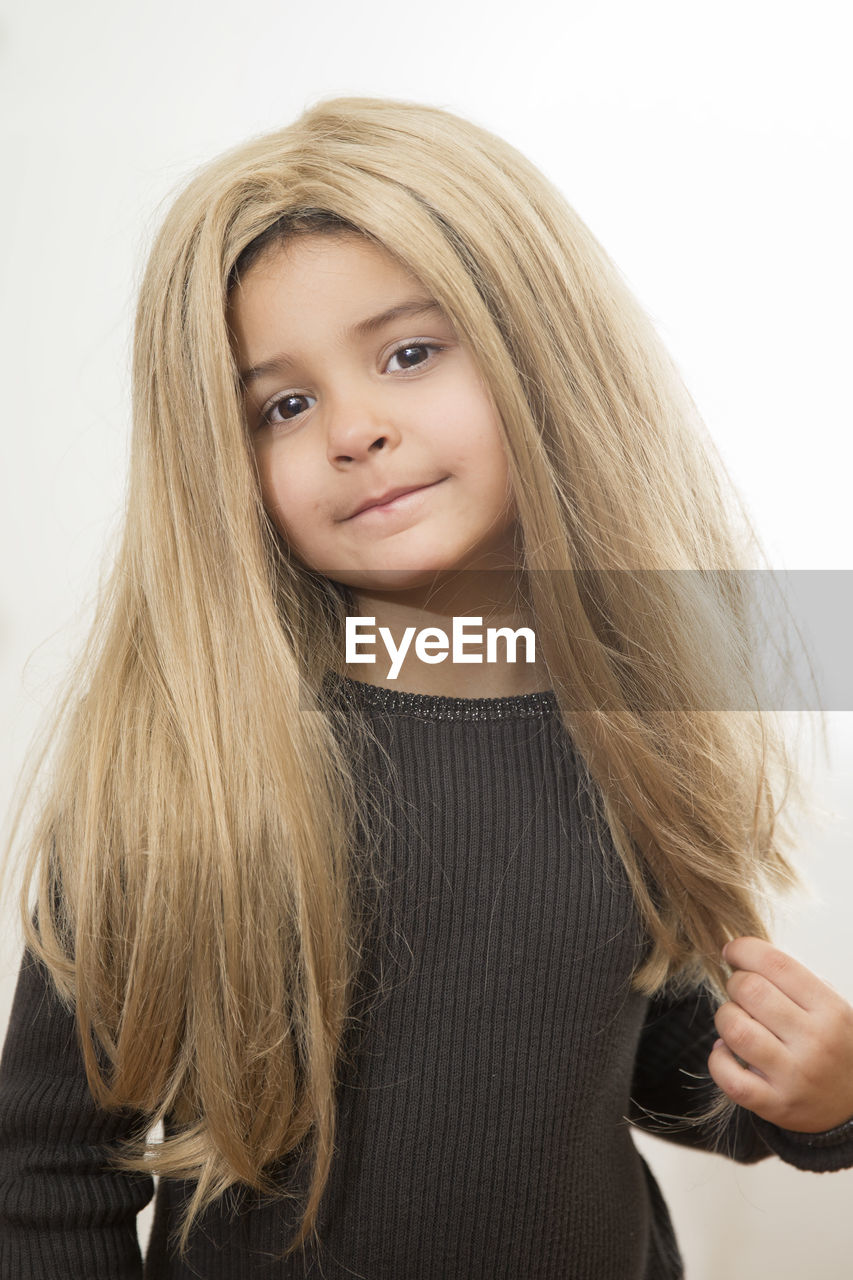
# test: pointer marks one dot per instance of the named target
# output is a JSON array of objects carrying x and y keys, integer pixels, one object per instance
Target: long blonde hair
[{"x": 198, "y": 901}]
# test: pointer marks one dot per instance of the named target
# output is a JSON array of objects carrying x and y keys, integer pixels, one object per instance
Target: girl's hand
[{"x": 794, "y": 1034}]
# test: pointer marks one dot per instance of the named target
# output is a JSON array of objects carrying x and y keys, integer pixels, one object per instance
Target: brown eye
[
  {"x": 282, "y": 405},
  {"x": 416, "y": 347}
]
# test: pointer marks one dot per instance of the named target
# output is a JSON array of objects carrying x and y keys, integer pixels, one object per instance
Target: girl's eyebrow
[{"x": 410, "y": 307}]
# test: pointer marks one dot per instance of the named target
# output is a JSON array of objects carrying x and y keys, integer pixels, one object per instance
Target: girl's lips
[{"x": 401, "y": 503}]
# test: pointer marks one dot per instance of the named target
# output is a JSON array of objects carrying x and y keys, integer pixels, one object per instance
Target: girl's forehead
[
  {"x": 317, "y": 268},
  {"x": 317, "y": 283},
  {"x": 344, "y": 273},
  {"x": 307, "y": 253}
]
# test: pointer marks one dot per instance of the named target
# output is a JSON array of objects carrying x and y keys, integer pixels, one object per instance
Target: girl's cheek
[{"x": 273, "y": 479}]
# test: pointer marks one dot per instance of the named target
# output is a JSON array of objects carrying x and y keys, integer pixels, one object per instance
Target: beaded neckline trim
[{"x": 431, "y": 706}]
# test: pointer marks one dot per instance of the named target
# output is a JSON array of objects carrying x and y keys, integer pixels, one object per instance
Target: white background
[{"x": 708, "y": 148}]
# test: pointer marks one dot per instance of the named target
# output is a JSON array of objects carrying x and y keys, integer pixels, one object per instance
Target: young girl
[{"x": 397, "y": 961}]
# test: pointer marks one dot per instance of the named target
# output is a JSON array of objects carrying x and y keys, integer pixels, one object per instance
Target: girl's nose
[{"x": 356, "y": 427}]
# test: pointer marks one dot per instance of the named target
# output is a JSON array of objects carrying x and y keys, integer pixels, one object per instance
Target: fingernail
[{"x": 725, "y": 949}]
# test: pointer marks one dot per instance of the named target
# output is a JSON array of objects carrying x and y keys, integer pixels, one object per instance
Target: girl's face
[{"x": 346, "y": 401}]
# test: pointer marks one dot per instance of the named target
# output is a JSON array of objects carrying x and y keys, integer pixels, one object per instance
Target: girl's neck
[{"x": 450, "y": 680}]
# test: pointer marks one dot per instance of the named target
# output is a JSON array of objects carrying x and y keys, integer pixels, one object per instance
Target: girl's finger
[
  {"x": 769, "y": 1006},
  {"x": 792, "y": 978},
  {"x": 744, "y": 1086},
  {"x": 748, "y": 1039}
]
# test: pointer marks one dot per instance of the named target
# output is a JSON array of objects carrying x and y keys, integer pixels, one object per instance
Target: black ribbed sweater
[{"x": 483, "y": 1124}]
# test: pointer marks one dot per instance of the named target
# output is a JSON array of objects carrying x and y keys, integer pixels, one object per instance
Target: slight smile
[{"x": 402, "y": 501}]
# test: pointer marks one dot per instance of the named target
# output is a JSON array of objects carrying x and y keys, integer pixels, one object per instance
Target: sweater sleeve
[
  {"x": 65, "y": 1212},
  {"x": 671, "y": 1082}
]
